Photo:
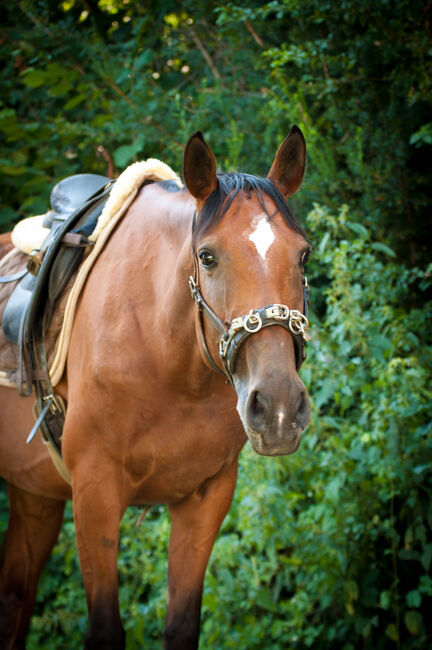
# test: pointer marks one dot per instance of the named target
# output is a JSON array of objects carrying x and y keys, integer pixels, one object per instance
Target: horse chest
[{"x": 180, "y": 454}]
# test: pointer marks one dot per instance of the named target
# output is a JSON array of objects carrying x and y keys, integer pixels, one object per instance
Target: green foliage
[{"x": 330, "y": 548}]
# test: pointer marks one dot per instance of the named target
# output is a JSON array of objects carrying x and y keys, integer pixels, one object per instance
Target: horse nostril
[
  {"x": 302, "y": 408},
  {"x": 257, "y": 409}
]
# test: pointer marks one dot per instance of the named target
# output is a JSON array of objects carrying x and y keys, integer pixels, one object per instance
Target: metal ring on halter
[
  {"x": 298, "y": 323},
  {"x": 252, "y": 317}
]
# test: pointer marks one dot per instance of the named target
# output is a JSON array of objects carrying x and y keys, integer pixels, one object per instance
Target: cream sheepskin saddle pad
[{"x": 29, "y": 234}]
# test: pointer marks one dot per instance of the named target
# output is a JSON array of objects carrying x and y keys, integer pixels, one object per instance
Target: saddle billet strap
[
  {"x": 27, "y": 373},
  {"x": 47, "y": 403},
  {"x": 4, "y": 279},
  {"x": 24, "y": 370}
]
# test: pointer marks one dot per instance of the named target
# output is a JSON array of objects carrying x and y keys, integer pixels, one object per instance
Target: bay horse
[{"x": 163, "y": 391}]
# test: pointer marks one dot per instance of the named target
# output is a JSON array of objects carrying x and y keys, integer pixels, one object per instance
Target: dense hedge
[{"x": 331, "y": 547}]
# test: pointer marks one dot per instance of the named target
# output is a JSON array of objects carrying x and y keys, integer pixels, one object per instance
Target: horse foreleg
[
  {"x": 195, "y": 523},
  {"x": 98, "y": 509},
  {"x": 34, "y": 524}
]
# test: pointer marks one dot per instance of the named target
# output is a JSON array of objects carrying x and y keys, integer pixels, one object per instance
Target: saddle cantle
[{"x": 69, "y": 195}]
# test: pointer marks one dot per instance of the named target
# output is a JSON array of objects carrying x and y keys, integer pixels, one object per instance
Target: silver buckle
[
  {"x": 255, "y": 321},
  {"x": 298, "y": 323},
  {"x": 278, "y": 312}
]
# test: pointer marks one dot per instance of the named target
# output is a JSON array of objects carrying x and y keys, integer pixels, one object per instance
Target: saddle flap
[{"x": 16, "y": 307}]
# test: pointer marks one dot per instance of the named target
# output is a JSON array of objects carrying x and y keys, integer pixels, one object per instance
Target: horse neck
[{"x": 172, "y": 323}]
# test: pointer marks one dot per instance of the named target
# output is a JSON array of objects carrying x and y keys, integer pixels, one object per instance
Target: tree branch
[
  {"x": 253, "y": 33},
  {"x": 205, "y": 54}
]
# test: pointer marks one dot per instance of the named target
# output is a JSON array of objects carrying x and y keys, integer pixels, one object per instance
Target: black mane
[{"x": 229, "y": 187}]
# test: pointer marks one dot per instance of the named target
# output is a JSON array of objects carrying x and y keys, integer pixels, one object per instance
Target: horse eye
[
  {"x": 207, "y": 259},
  {"x": 305, "y": 257}
]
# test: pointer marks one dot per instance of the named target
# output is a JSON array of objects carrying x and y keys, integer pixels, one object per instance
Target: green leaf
[
  {"x": 413, "y": 621},
  {"x": 379, "y": 246},
  {"x": 125, "y": 154},
  {"x": 34, "y": 78},
  {"x": 12, "y": 170},
  {"x": 423, "y": 136},
  {"x": 392, "y": 632},
  {"x": 413, "y": 598},
  {"x": 426, "y": 557},
  {"x": 351, "y": 589},
  {"x": 265, "y": 600},
  {"x": 323, "y": 243},
  {"x": 379, "y": 345},
  {"x": 143, "y": 59},
  {"x": 359, "y": 229},
  {"x": 332, "y": 493},
  {"x": 75, "y": 101},
  {"x": 384, "y": 602}
]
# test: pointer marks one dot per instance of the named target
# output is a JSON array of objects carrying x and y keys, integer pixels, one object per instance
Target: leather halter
[{"x": 234, "y": 335}]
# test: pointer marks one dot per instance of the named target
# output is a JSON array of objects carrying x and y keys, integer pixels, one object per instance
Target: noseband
[{"x": 234, "y": 335}]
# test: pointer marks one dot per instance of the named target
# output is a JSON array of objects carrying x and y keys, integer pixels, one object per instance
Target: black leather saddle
[
  {"x": 76, "y": 204},
  {"x": 67, "y": 197}
]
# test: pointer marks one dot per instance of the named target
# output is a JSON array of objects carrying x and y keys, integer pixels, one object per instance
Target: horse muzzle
[{"x": 274, "y": 415}]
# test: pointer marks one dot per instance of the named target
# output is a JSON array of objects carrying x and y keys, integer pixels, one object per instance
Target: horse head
[{"x": 249, "y": 256}]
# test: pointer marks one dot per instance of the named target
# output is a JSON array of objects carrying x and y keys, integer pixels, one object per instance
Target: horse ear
[
  {"x": 288, "y": 167},
  {"x": 199, "y": 167}
]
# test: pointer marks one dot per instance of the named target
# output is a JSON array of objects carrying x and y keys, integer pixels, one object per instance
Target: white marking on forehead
[{"x": 263, "y": 235}]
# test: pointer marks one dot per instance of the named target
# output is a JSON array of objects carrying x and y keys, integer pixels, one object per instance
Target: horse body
[
  {"x": 157, "y": 390},
  {"x": 148, "y": 420}
]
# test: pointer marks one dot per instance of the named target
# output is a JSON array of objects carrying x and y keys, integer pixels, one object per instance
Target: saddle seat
[{"x": 67, "y": 196}]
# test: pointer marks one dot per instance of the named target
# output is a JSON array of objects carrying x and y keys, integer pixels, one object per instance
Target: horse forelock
[{"x": 235, "y": 185}]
